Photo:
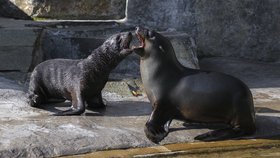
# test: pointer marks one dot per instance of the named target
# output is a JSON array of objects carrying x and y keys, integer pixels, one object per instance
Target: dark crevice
[
  {"x": 9, "y": 71},
  {"x": 36, "y": 53}
]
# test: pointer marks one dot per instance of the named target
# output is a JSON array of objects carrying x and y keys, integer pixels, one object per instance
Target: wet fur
[
  {"x": 79, "y": 81},
  {"x": 190, "y": 95}
]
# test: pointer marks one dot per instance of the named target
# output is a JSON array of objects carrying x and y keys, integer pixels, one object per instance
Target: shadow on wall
[{"x": 8, "y": 9}]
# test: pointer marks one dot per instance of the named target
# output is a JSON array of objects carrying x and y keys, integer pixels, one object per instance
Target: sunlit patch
[{"x": 161, "y": 48}]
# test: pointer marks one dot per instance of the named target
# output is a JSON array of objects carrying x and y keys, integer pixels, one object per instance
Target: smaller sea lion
[{"x": 79, "y": 81}]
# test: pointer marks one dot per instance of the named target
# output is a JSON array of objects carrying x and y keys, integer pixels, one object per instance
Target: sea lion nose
[
  {"x": 129, "y": 36},
  {"x": 138, "y": 28}
]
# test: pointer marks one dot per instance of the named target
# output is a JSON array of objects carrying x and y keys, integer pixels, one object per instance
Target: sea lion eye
[
  {"x": 161, "y": 48},
  {"x": 151, "y": 34},
  {"x": 118, "y": 39}
]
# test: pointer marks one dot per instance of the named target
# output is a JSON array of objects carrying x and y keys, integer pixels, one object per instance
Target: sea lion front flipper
[
  {"x": 77, "y": 108},
  {"x": 71, "y": 111},
  {"x": 34, "y": 100},
  {"x": 62, "y": 113},
  {"x": 157, "y": 127},
  {"x": 220, "y": 134}
]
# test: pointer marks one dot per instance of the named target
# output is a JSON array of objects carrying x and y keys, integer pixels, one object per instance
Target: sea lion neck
[{"x": 96, "y": 62}]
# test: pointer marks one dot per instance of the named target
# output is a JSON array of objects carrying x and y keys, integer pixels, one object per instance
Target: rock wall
[
  {"x": 10, "y": 10},
  {"x": 233, "y": 28},
  {"x": 238, "y": 28}
]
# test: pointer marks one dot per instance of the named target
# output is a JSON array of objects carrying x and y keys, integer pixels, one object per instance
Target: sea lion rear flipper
[
  {"x": 220, "y": 134},
  {"x": 96, "y": 102}
]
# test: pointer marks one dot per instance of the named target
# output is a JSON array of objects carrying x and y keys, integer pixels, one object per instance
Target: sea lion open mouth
[
  {"x": 127, "y": 41},
  {"x": 140, "y": 37}
]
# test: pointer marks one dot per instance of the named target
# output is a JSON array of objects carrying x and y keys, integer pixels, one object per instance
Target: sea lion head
[
  {"x": 152, "y": 44},
  {"x": 118, "y": 44}
]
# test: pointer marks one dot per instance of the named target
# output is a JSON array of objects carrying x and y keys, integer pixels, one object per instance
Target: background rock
[
  {"x": 8, "y": 9},
  {"x": 72, "y": 9},
  {"x": 245, "y": 29}
]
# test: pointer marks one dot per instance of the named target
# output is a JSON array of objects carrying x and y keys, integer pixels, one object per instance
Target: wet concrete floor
[{"x": 33, "y": 132}]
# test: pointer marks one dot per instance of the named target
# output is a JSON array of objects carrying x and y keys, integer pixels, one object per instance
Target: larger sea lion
[
  {"x": 79, "y": 81},
  {"x": 190, "y": 95}
]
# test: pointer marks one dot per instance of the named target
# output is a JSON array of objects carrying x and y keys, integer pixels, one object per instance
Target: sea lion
[
  {"x": 79, "y": 81},
  {"x": 190, "y": 95}
]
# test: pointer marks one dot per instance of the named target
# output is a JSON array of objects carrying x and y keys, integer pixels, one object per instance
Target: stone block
[{"x": 74, "y": 10}]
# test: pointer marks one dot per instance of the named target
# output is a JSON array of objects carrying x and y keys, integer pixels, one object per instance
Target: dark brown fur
[
  {"x": 194, "y": 96},
  {"x": 79, "y": 81}
]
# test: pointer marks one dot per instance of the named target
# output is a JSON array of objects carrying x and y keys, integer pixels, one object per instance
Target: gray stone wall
[
  {"x": 162, "y": 14},
  {"x": 238, "y": 28}
]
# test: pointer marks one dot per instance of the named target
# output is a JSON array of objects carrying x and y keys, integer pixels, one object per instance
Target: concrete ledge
[{"x": 229, "y": 148}]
